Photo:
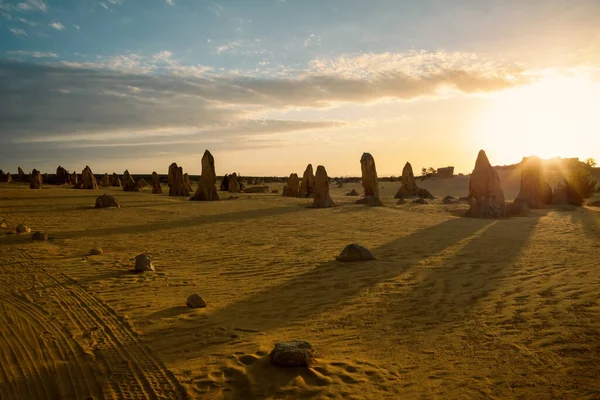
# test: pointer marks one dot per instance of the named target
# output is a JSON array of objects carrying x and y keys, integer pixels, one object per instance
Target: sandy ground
[{"x": 452, "y": 308}]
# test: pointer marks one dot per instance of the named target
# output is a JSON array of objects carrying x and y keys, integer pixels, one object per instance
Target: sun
[{"x": 556, "y": 116}]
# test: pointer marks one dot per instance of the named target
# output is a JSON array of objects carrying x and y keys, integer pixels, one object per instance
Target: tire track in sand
[{"x": 130, "y": 369}]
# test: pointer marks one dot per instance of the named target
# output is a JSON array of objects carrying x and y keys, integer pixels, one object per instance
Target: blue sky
[{"x": 138, "y": 84}]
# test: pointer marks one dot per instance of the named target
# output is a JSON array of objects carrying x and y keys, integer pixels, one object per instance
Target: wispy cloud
[
  {"x": 18, "y": 32},
  {"x": 76, "y": 27},
  {"x": 170, "y": 2},
  {"x": 30, "y": 23},
  {"x": 34, "y": 54},
  {"x": 57, "y": 25},
  {"x": 32, "y": 5},
  {"x": 216, "y": 9},
  {"x": 230, "y": 47},
  {"x": 312, "y": 40},
  {"x": 115, "y": 2}
]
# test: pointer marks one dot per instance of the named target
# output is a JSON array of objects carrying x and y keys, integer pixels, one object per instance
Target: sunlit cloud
[
  {"x": 18, "y": 32},
  {"x": 57, "y": 25},
  {"x": 34, "y": 54}
]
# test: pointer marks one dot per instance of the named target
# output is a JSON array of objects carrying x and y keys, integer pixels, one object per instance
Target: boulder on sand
[
  {"x": 355, "y": 252},
  {"x": 106, "y": 201},
  {"x": 156, "y": 188},
  {"x": 307, "y": 185},
  {"x": 39, "y": 236},
  {"x": 36, "y": 180},
  {"x": 321, "y": 196},
  {"x": 88, "y": 179},
  {"x": 207, "y": 189},
  {"x": 21, "y": 228},
  {"x": 353, "y": 192},
  {"x": 369, "y": 181},
  {"x": 296, "y": 353},
  {"x": 486, "y": 198},
  {"x": 195, "y": 301},
  {"x": 291, "y": 189},
  {"x": 143, "y": 263}
]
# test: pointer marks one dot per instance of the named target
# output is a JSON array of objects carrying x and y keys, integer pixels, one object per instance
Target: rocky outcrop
[
  {"x": 408, "y": 185},
  {"x": 321, "y": 196},
  {"x": 143, "y": 263},
  {"x": 21, "y": 176},
  {"x": 486, "y": 197},
  {"x": 296, "y": 353},
  {"x": 88, "y": 179},
  {"x": 74, "y": 179},
  {"x": 353, "y": 192},
  {"x": 156, "y": 188},
  {"x": 195, "y": 301},
  {"x": 207, "y": 189},
  {"x": 369, "y": 181},
  {"x": 355, "y": 252},
  {"x": 129, "y": 184},
  {"x": 176, "y": 181},
  {"x": 106, "y": 201},
  {"x": 234, "y": 185},
  {"x": 307, "y": 185},
  {"x": 62, "y": 176},
  {"x": 535, "y": 192},
  {"x": 115, "y": 181},
  {"x": 187, "y": 183},
  {"x": 105, "y": 181},
  {"x": 36, "y": 180},
  {"x": 293, "y": 186}
]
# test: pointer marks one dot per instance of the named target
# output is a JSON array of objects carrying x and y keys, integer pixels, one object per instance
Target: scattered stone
[
  {"x": 36, "y": 180},
  {"x": 353, "y": 192},
  {"x": 234, "y": 185},
  {"x": 106, "y": 201},
  {"x": 195, "y": 301},
  {"x": 450, "y": 200},
  {"x": 486, "y": 198},
  {"x": 21, "y": 228},
  {"x": 321, "y": 196},
  {"x": 296, "y": 353},
  {"x": 40, "y": 236},
  {"x": 293, "y": 186},
  {"x": 129, "y": 184},
  {"x": 207, "y": 189},
  {"x": 257, "y": 189},
  {"x": 420, "y": 200},
  {"x": 176, "y": 182},
  {"x": 96, "y": 251},
  {"x": 232, "y": 197},
  {"x": 105, "y": 181},
  {"x": 307, "y": 186},
  {"x": 3, "y": 225},
  {"x": 156, "y": 188},
  {"x": 401, "y": 201},
  {"x": 355, "y": 252},
  {"x": 88, "y": 178},
  {"x": 78, "y": 185},
  {"x": 369, "y": 181},
  {"x": 143, "y": 263}
]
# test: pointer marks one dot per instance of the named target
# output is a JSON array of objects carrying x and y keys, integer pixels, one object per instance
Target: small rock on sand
[
  {"x": 401, "y": 201},
  {"x": 106, "y": 201},
  {"x": 195, "y": 301},
  {"x": 96, "y": 251},
  {"x": 420, "y": 200},
  {"x": 296, "y": 353},
  {"x": 355, "y": 252},
  {"x": 41, "y": 236},
  {"x": 353, "y": 192},
  {"x": 23, "y": 229},
  {"x": 143, "y": 263}
]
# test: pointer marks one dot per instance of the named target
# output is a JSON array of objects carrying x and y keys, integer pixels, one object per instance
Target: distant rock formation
[
  {"x": 369, "y": 181},
  {"x": 293, "y": 186},
  {"x": 129, "y": 184},
  {"x": 535, "y": 191},
  {"x": 176, "y": 182},
  {"x": 5, "y": 178},
  {"x": 142, "y": 183},
  {"x": 207, "y": 189},
  {"x": 88, "y": 179},
  {"x": 156, "y": 188},
  {"x": 408, "y": 186},
  {"x": 21, "y": 176},
  {"x": 234, "y": 185},
  {"x": 36, "y": 180},
  {"x": 353, "y": 192},
  {"x": 224, "y": 187},
  {"x": 115, "y": 181},
  {"x": 445, "y": 173},
  {"x": 321, "y": 196},
  {"x": 74, "y": 178},
  {"x": 307, "y": 186},
  {"x": 106, "y": 201},
  {"x": 486, "y": 198},
  {"x": 62, "y": 176},
  {"x": 187, "y": 183},
  {"x": 105, "y": 181}
]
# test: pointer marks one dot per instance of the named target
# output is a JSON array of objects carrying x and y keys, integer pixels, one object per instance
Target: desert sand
[{"x": 452, "y": 308}]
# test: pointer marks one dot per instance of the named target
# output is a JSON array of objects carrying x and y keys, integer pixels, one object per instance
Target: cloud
[
  {"x": 312, "y": 40},
  {"x": 34, "y": 54},
  {"x": 30, "y": 23},
  {"x": 216, "y": 9},
  {"x": 170, "y": 2},
  {"x": 229, "y": 48},
  {"x": 18, "y": 32},
  {"x": 57, "y": 25},
  {"x": 76, "y": 27},
  {"x": 115, "y": 2},
  {"x": 32, "y": 5}
]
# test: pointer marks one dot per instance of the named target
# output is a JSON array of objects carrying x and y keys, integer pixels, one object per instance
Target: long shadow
[
  {"x": 28, "y": 209},
  {"x": 589, "y": 221},
  {"x": 328, "y": 284},
  {"x": 182, "y": 223}
]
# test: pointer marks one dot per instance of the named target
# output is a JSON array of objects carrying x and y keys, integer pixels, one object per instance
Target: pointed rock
[
  {"x": 322, "y": 199},
  {"x": 207, "y": 189},
  {"x": 307, "y": 186},
  {"x": 486, "y": 198}
]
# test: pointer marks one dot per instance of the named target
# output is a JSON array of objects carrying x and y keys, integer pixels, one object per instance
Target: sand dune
[{"x": 451, "y": 308}]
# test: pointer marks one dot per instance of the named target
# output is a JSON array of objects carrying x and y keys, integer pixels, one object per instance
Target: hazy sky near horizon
[{"x": 271, "y": 85}]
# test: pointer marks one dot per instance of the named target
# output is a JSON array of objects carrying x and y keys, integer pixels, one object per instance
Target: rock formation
[
  {"x": 535, "y": 191},
  {"x": 6, "y": 178},
  {"x": 21, "y": 228},
  {"x": 293, "y": 186},
  {"x": 355, "y": 252},
  {"x": 74, "y": 178},
  {"x": 105, "y": 181},
  {"x": 36, "y": 180},
  {"x": 195, "y": 301},
  {"x": 115, "y": 181},
  {"x": 408, "y": 186},
  {"x": 106, "y": 201},
  {"x": 176, "y": 181},
  {"x": 207, "y": 189},
  {"x": 129, "y": 184},
  {"x": 39, "y": 236},
  {"x": 156, "y": 188},
  {"x": 307, "y": 186},
  {"x": 369, "y": 181},
  {"x": 353, "y": 192},
  {"x": 296, "y": 353},
  {"x": 143, "y": 263},
  {"x": 321, "y": 196},
  {"x": 486, "y": 198},
  {"x": 224, "y": 187},
  {"x": 88, "y": 179},
  {"x": 21, "y": 176},
  {"x": 234, "y": 185},
  {"x": 187, "y": 183},
  {"x": 62, "y": 176},
  {"x": 142, "y": 184}
]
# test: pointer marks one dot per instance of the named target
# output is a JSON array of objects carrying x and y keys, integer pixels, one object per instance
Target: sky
[{"x": 269, "y": 86}]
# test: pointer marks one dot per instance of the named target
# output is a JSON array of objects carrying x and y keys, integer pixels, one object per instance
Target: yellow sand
[{"x": 453, "y": 308}]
